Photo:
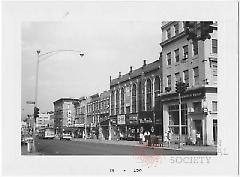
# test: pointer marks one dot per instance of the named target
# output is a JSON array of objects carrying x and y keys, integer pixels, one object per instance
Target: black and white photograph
[{"x": 119, "y": 88}]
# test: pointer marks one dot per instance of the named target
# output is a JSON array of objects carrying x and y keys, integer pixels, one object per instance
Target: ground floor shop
[{"x": 198, "y": 116}]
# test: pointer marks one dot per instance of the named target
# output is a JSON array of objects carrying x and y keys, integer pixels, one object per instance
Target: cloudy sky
[{"x": 110, "y": 45}]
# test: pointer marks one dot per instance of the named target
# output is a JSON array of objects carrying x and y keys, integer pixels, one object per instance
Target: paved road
[{"x": 64, "y": 147}]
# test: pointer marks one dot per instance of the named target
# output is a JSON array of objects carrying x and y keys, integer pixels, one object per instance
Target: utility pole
[{"x": 180, "y": 89}]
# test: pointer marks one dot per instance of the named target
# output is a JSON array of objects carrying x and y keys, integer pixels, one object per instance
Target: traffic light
[
  {"x": 181, "y": 87},
  {"x": 36, "y": 112},
  {"x": 206, "y": 28},
  {"x": 191, "y": 30}
]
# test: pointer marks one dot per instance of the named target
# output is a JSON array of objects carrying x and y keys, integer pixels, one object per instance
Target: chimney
[
  {"x": 144, "y": 62},
  {"x": 130, "y": 69},
  {"x": 119, "y": 74}
]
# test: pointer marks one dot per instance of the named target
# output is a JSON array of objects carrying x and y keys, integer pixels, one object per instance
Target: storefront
[
  {"x": 146, "y": 122},
  {"x": 197, "y": 116}
]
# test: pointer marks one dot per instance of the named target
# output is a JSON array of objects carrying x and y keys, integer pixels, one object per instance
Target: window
[
  {"x": 185, "y": 52},
  {"x": 117, "y": 102},
  {"x": 122, "y": 100},
  {"x": 176, "y": 28},
  {"x": 173, "y": 111},
  {"x": 186, "y": 76},
  {"x": 169, "y": 81},
  {"x": 169, "y": 58},
  {"x": 195, "y": 47},
  {"x": 149, "y": 95},
  {"x": 213, "y": 66},
  {"x": 134, "y": 98},
  {"x": 214, "y": 45},
  {"x": 112, "y": 102},
  {"x": 157, "y": 89},
  {"x": 197, "y": 106},
  {"x": 176, "y": 52},
  {"x": 168, "y": 33},
  {"x": 196, "y": 75},
  {"x": 214, "y": 106},
  {"x": 177, "y": 77}
]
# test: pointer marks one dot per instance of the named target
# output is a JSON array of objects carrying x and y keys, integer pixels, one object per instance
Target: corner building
[
  {"x": 133, "y": 101},
  {"x": 196, "y": 64}
]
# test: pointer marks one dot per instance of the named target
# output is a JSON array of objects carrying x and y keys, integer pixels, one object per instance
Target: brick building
[
  {"x": 134, "y": 97},
  {"x": 64, "y": 113}
]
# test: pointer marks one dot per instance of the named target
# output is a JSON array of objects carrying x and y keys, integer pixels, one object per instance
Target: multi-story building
[
  {"x": 98, "y": 115},
  {"x": 80, "y": 115},
  {"x": 104, "y": 109},
  {"x": 133, "y": 100},
  {"x": 64, "y": 113},
  {"x": 195, "y": 63},
  {"x": 92, "y": 114}
]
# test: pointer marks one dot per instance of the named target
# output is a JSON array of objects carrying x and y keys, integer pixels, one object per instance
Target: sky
[{"x": 110, "y": 46}]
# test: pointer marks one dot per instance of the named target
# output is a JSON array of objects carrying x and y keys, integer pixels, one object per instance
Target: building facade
[
  {"x": 133, "y": 101},
  {"x": 64, "y": 113},
  {"x": 195, "y": 63},
  {"x": 80, "y": 116}
]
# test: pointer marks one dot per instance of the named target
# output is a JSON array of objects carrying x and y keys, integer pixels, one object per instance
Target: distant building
[
  {"x": 64, "y": 113},
  {"x": 194, "y": 62},
  {"x": 80, "y": 115}
]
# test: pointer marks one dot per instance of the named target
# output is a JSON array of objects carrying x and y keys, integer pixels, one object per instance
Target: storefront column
[
  {"x": 209, "y": 130},
  {"x": 165, "y": 120},
  {"x": 109, "y": 129}
]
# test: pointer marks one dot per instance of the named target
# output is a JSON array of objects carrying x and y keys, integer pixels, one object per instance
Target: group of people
[
  {"x": 196, "y": 141},
  {"x": 144, "y": 137}
]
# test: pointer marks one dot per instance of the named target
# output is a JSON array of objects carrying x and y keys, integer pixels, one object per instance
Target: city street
[{"x": 63, "y": 147}]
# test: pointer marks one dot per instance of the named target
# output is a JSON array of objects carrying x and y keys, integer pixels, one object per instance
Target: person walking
[
  {"x": 198, "y": 137},
  {"x": 169, "y": 137}
]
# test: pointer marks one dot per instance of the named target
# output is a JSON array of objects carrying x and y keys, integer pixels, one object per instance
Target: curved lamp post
[{"x": 39, "y": 55}]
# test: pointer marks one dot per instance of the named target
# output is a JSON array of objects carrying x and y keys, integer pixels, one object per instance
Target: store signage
[
  {"x": 187, "y": 95},
  {"x": 121, "y": 120},
  {"x": 145, "y": 120},
  {"x": 133, "y": 117}
]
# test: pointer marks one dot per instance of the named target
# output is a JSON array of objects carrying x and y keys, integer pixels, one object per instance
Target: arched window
[
  {"x": 117, "y": 102},
  {"x": 156, "y": 88},
  {"x": 112, "y": 102},
  {"x": 122, "y": 101},
  {"x": 149, "y": 95},
  {"x": 134, "y": 98}
]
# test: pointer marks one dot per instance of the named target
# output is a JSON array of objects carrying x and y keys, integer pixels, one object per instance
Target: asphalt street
[{"x": 64, "y": 147}]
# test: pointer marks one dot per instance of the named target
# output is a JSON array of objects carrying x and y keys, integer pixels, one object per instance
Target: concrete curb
[{"x": 141, "y": 145}]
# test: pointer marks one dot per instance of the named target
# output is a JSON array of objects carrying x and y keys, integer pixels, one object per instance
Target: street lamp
[{"x": 36, "y": 82}]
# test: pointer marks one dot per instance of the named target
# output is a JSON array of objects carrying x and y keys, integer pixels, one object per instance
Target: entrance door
[
  {"x": 198, "y": 128},
  {"x": 215, "y": 131}
]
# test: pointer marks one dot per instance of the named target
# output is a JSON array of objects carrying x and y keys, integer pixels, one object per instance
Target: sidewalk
[
  {"x": 136, "y": 143},
  {"x": 192, "y": 148},
  {"x": 25, "y": 152}
]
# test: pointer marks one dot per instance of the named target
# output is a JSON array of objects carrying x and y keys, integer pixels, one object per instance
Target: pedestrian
[
  {"x": 169, "y": 136},
  {"x": 198, "y": 137},
  {"x": 145, "y": 136},
  {"x": 141, "y": 138}
]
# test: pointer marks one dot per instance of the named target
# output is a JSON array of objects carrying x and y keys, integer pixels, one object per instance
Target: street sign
[{"x": 30, "y": 102}]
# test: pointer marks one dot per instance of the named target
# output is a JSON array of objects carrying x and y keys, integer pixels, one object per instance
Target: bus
[{"x": 46, "y": 133}]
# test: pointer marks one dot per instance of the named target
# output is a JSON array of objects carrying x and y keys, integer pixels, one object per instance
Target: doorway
[{"x": 198, "y": 128}]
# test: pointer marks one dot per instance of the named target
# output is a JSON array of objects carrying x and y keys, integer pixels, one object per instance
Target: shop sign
[
  {"x": 133, "y": 117},
  {"x": 145, "y": 120},
  {"x": 187, "y": 95},
  {"x": 121, "y": 119}
]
